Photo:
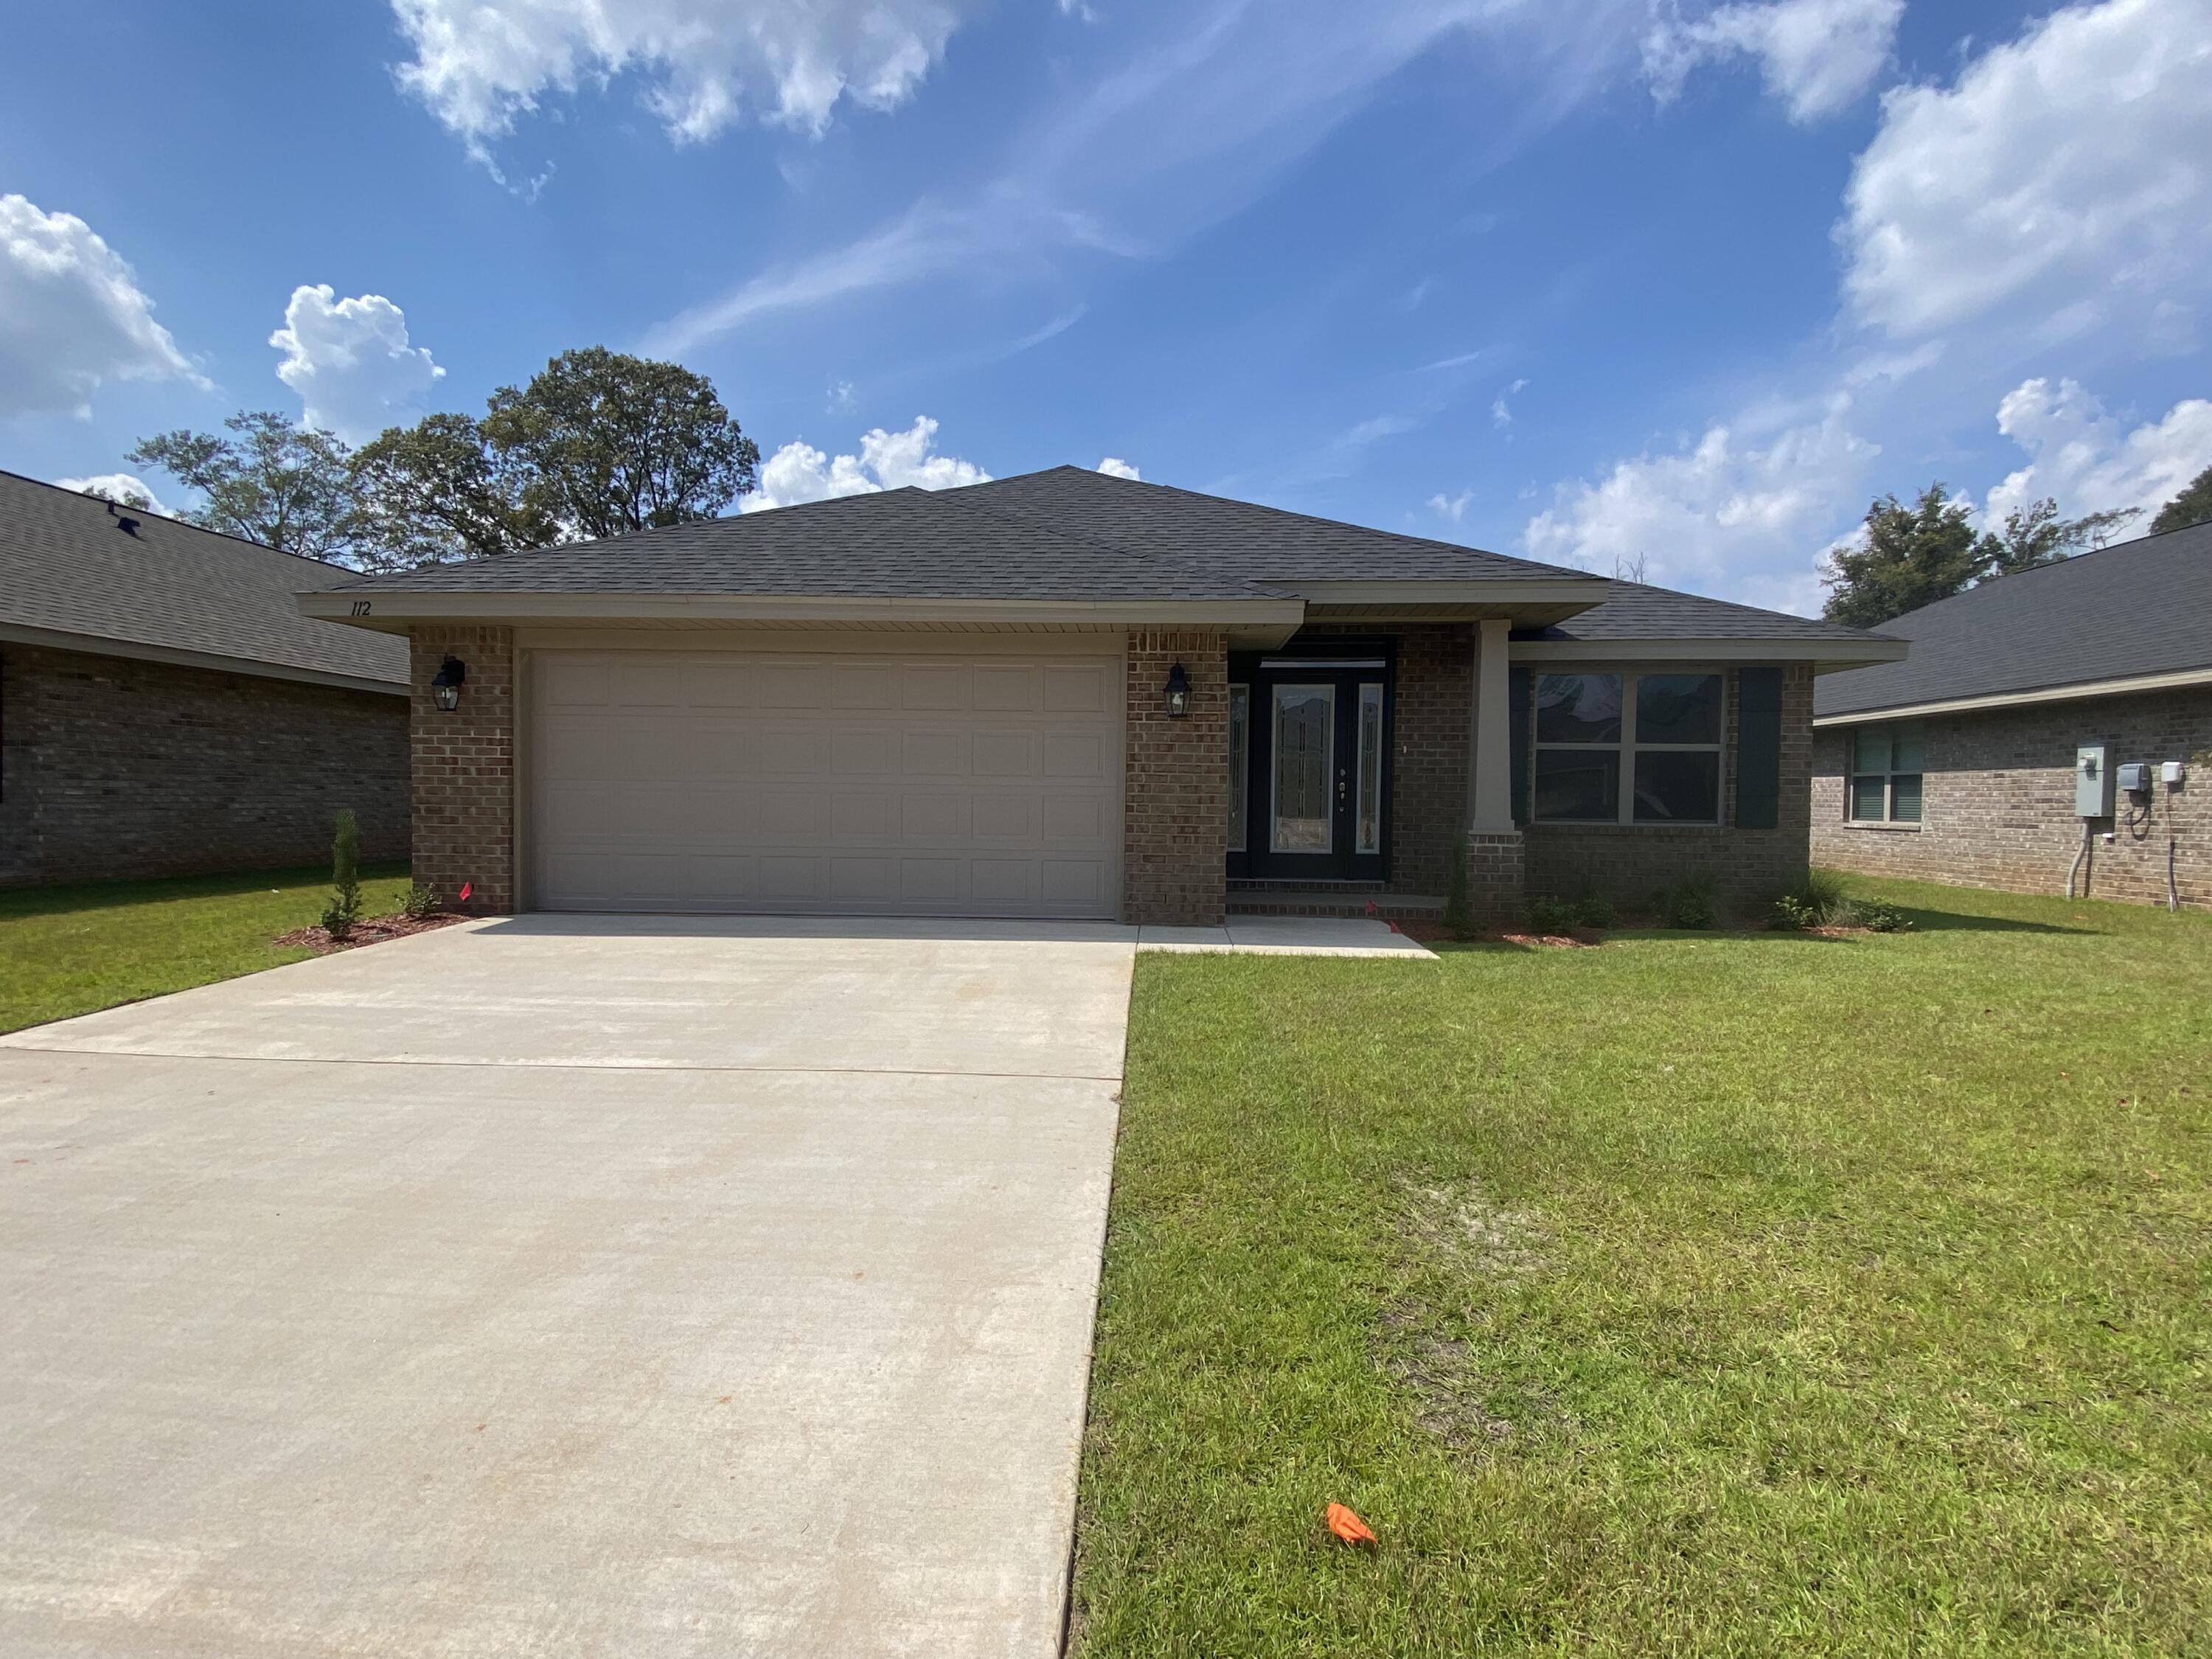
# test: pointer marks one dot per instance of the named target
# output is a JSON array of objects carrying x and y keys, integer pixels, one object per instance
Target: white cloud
[
  {"x": 2073, "y": 165},
  {"x": 479, "y": 65},
  {"x": 1115, "y": 467},
  {"x": 2080, "y": 457},
  {"x": 117, "y": 487},
  {"x": 1744, "y": 518},
  {"x": 888, "y": 460},
  {"x": 350, "y": 361},
  {"x": 1501, "y": 413},
  {"x": 1450, "y": 507},
  {"x": 1818, "y": 56},
  {"x": 72, "y": 316}
]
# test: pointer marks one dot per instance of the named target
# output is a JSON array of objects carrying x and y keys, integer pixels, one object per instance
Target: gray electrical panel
[
  {"x": 2134, "y": 777},
  {"x": 2093, "y": 782}
]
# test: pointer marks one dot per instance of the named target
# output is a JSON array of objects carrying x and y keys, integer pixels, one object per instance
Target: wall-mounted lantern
[
  {"x": 445, "y": 684},
  {"x": 1178, "y": 693}
]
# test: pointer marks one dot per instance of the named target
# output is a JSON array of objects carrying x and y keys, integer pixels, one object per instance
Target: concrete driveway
[{"x": 562, "y": 1285}]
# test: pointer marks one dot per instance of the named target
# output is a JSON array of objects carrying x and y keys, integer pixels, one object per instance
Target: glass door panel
[
  {"x": 1368, "y": 837},
  {"x": 1305, "y": 742},
  {"x": 1240, "y": 762}
]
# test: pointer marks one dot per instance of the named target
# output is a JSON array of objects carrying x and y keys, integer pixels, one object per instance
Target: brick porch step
[{"x": 1248, "y": 899}]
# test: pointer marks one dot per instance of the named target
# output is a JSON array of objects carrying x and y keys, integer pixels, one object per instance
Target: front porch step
[{"x": 1248, "y": 899}]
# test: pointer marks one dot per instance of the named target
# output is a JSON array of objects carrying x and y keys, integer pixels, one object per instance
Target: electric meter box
[
  {"x": 2134, "y": 777},
  {"x": 2093, "y": 782}
]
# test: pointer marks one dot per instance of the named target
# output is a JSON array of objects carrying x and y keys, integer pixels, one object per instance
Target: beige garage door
[{"x": 844, "y": 783}]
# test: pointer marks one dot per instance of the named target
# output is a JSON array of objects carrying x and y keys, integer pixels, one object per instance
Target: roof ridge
[
  {"x": 1160, "y": 561},
  {"x": 1110, "y": 479}
]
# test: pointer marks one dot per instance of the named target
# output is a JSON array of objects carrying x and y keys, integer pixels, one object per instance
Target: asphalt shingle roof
[
  {"x": 67, "y": 566},
  {"x": 2139, "y": 607},
  {"x": 1634, "y": 611},
  {"x": 1063, "y": 534}
]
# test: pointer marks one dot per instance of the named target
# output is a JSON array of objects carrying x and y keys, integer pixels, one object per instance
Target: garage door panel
[{"x": 685, "y": 780}]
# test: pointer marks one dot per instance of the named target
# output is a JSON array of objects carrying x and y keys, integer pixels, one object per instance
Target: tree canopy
[
  {"x": 2192, "y": 505},
  {"x": 283, "y": 484},
  {"x": 597, "y": 444},
  {"x": 2035, "y": 534},
  {"x": 1912, "y": 555}
]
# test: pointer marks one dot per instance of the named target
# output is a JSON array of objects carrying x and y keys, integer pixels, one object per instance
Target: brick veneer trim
[
  {"x": 465, "y": 769},
  {"x": 1175, "y": 816}
]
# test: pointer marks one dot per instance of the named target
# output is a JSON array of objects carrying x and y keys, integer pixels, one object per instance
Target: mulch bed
[
  {"x": 1435, "y": 932},
  {"x": 369, "y": 930}
]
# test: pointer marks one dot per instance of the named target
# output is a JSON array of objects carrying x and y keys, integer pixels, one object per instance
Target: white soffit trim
[
  {"x": 2179, "y": 680},
  {"x": 391, "y": 609},
  {"x": 1825, "y": 655},
  {"x": 1486, "y": 590},
  {"x": 100, "y": 645}
]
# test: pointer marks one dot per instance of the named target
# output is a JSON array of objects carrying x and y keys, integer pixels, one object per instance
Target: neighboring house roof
[
  {"x": 1063, "y": 544},
  {"x": 2134, "y": 615},
  {"x": 74, "y": 578}
]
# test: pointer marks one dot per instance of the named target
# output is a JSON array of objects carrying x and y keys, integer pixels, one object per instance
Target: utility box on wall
[{"x": 2093, "y": 782}]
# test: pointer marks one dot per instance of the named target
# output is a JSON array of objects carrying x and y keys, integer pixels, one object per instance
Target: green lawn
[
  {"x": 67, "y": 950},
  {"x": 1744, "y": 1294}
]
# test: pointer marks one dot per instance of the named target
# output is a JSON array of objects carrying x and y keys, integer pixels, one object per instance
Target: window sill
[
  {"x": 1639, "y": 828},
  {"x": 1893, "y": 826}
]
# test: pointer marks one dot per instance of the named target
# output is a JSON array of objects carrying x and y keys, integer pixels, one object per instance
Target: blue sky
[{"x": 1585, "y": 280}]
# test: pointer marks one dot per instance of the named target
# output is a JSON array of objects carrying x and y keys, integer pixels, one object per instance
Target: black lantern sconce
[
  {"x": 445, "y": 684},
  {"x": 1178, "y": 693}
]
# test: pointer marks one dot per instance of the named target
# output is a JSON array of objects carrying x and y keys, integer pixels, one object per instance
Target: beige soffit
[
  {"x": 2179, "y": 680},
  {"x": 390, "y": 609},
  {"x": 1502, "y": 591},
  {"x": 1825, "y": 655},
  {"x": 100, "y": 645}
]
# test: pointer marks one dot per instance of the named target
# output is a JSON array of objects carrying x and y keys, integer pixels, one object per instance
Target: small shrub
[
  {"x": 344, "y": 907},
  {"x": 1459, "y": 911},
  {"x": 421, "y": 901},
  {"x": 1687, "y": 904},
  {"x": 1881, "y": 917},
  {"x": 1793, "y": 914},
  {"x": 1548, "y": 914},
  {"x": 1593, "y": 909}
]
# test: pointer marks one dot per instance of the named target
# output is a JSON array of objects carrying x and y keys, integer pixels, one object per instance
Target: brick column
[
  {"x": 464, "y": 768},
  {"x": 1174, "y": 813}
]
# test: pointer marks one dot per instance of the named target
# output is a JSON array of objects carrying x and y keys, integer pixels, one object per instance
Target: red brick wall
[
  {"x": 112, "y": 769},
  {"x": 464, "y": 765},
  {"x": 1998, "y": 807},
  {"x": 1746, "y": 869},
  {"x": 1176, "y": 815},
  {"x": 1428, "y": 753}
]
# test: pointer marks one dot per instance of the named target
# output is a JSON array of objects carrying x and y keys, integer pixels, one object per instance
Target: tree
[
  {"x": 603, "y": 444},
  {"x": 436, "y": 492},
  {"x": 1911, "y": 556},
  {"x": 2035, "y": 534},
  {"x": 123, "y": 494},
  {"x": 2192, "y": 505},
  {"x": 286, "y": 485}
]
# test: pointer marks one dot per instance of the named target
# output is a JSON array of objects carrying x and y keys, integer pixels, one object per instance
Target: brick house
[
  {"x": 165, "y": 710},
  {"x": 1962, "y": 762},
  {"x": 1071, "y": 695}
]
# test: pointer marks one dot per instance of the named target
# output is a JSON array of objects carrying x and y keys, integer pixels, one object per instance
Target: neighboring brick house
[
  {"x": 165, "y": 710},
  {"x": 1960, "y": 763},
  {"x": 1075, "y": 696}
]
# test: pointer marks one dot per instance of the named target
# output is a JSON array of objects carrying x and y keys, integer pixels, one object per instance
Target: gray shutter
[
  {"x": 1757, "y": 747},
  {"x": 1517, "y": 704}
]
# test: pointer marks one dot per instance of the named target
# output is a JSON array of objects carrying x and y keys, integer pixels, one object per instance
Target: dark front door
[{"x": 1309, "y": 764}]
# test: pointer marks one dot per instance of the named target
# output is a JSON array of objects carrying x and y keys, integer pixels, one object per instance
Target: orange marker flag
[{"x": 1349, "y": 1527}]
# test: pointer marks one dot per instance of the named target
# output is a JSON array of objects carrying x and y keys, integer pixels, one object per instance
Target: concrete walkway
[{"x": 562, "y": 1285}]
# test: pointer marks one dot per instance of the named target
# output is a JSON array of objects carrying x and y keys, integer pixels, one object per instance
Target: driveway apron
[{"x": 562, "y": 1285}]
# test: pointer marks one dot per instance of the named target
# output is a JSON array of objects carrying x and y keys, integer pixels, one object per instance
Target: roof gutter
[
  {"x": 2177, "y": 680},
  {"x": 1826, "y": 656},
  {"x": 390, "y": 610}
]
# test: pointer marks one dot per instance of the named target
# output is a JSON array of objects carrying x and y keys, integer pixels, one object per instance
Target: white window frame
[
  {"x": 1888, "y": 774},
  {"x": 1627, "y": 747}
]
